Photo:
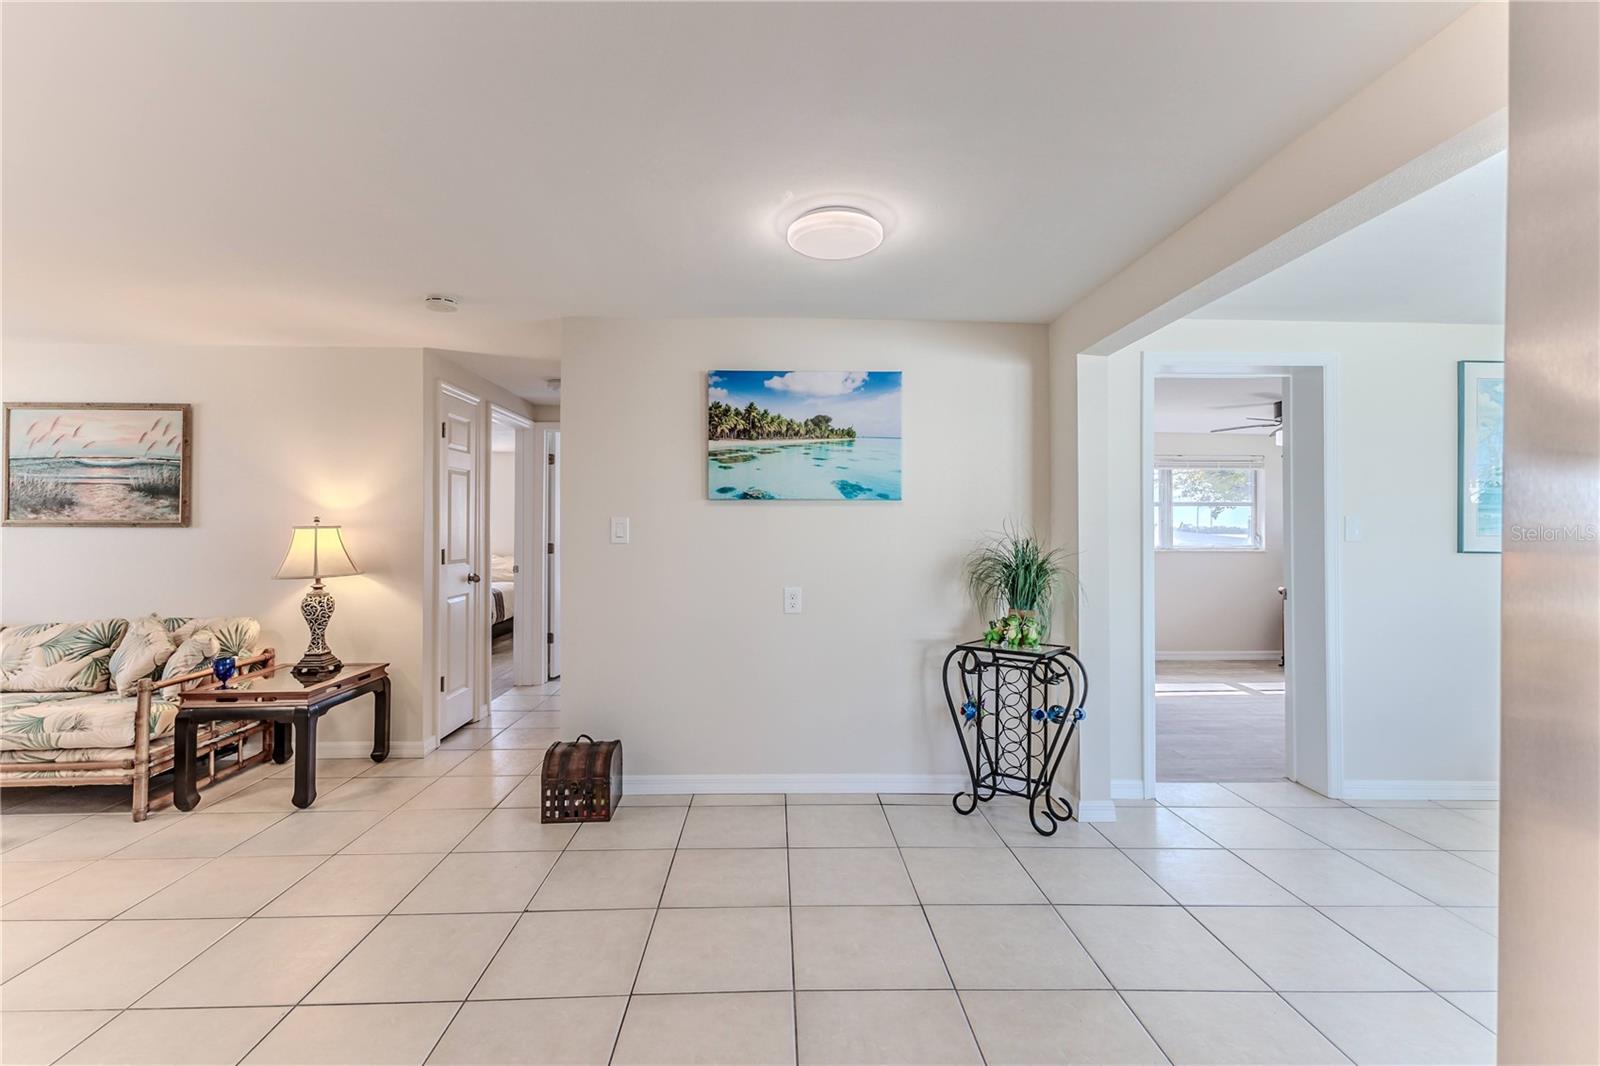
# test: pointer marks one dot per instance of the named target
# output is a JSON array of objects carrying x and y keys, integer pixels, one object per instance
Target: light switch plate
[
  {"x": 619, "y": 531},
  {"x": 1352, "y": 528},
  {"x": 791, "y": 599}
]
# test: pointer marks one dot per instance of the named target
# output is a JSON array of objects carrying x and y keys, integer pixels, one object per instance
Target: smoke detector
[
  {"x": 445, "y": 305},
  {"x": 553, "y": 384}
]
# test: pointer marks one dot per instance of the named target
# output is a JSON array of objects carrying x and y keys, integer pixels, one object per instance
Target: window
[{"x": 1208, "y": 504}]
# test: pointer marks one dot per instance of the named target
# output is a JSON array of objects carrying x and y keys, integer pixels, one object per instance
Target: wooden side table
[{"x": 289, "y": 703}]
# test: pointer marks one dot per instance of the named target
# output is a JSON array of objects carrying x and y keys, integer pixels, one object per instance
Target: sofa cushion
[
  {"x": 199, "y": 640},
  {"x": 143, "y": 651},
  {"x": 237, "y": 635},
  {"x": 31, "y": 721},
  {"x": 59, "y": 656},
  {"x": 195, "y": 653}
]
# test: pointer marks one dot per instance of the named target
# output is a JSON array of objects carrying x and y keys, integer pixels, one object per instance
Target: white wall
[
  {"x": 280, "y": 435},
  {"x": 1224, "y": 601},
  {"x": 677, "y": 642},
  {"x": 502, "y": 503},
  {"x": 1420, "y": 622}
]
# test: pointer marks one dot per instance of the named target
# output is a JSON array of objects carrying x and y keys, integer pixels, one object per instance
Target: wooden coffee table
[{"x": 288, "y": 702}]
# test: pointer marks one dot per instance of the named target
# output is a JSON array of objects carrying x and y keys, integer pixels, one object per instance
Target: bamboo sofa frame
[{"x": 148, "y": 758}]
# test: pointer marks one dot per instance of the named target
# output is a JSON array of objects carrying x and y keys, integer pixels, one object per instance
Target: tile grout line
[
  {"x": 794, "y": 965},
  {"x": 645, "y": 949},
  {"x": 301, "y": 1001},
  {"x": 462, "y": 1004},
  {"x": 1265, "y": 983},
  {"x": 923, "y": 907},
  {"x": 1055, "y": 909}
]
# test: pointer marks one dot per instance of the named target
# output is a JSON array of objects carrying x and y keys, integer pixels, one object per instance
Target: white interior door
[
  {"x": 460, "y": 589},
  {"x": 553, "y": 551}
]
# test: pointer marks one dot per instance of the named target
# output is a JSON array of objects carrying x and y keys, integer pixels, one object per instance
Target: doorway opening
[
  {"x": 1218, "y": 525},
  {"x": 1240, "y": 583}
]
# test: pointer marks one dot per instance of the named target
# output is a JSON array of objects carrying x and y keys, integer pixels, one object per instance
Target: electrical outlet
[
  {"x": 791, "y": 599},
  {"x": 619, "y": 531}
]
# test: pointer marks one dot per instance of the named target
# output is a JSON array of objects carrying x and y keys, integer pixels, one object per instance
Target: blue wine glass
[{"x": 224, "y": 667}]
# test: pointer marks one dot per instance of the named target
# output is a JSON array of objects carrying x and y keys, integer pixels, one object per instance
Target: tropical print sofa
[{"x": 94, "y": 702}]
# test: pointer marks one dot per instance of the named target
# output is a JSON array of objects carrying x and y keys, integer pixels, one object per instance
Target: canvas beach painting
[
  {"x": 97, "y": 464},
  {"x": 803, "y": 435},
  {"x": 1481, "y": 431}
]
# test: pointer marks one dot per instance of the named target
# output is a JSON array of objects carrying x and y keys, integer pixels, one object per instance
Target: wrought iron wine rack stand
[{"x": 1015, "y": 711}]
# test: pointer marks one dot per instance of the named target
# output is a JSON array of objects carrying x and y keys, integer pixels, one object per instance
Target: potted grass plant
[{"x": 1011, "y": 572}]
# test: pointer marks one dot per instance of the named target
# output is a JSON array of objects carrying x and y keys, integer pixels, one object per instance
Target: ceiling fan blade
[
  {"x": 1239, "y": 429},
  {"x": 1264, "y": 401}
]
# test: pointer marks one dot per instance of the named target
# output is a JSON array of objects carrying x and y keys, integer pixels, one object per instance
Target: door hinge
[
  {"x": 441, "y": 556},
  {"x": 550, "y": 460},
  {"x": 549, "y": 638},
  {"x": 441, "y": 682},
  {"x": 441, "y": 429},
  {"x": 550, "y": 549}
]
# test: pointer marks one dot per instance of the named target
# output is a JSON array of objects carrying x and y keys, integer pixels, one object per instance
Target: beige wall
[
  {"x": 1550, "y": 804},
  {"x": 543, "y": 412},
  {"x": 677, "y": 642},
  {"x": 1223, "y": 601},
  {"x": 280, "y": 434}
]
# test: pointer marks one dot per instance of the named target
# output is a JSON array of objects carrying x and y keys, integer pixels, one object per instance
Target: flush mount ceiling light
[
  {"x": 443, "y": 304},
  {"x": 835, "y": 233}
]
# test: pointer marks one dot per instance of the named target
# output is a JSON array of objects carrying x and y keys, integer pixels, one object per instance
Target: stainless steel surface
[{"x": 1550, "y": 749}]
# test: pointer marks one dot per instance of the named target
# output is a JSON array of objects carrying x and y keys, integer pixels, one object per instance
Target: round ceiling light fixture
[
  {"x": 835, "y": 233},
  {"x": 443, "y": 304}
]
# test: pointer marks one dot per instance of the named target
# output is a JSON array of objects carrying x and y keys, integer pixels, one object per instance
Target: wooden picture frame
[{"x": 111, "y": 475}]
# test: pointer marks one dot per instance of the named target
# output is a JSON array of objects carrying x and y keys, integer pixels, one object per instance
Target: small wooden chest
[{"x": 582, "y": 780}]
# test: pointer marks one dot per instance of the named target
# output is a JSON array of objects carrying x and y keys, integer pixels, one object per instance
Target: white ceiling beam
[{"x": 1440, "y": 110}]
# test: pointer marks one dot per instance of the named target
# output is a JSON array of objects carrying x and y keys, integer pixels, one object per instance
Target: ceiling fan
[{"x": 1271, "y": 425}]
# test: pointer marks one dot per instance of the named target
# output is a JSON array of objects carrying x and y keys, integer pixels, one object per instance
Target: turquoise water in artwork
[
  {"x": 1488, "y": 471},
  {"x": 867, "y": 468}
]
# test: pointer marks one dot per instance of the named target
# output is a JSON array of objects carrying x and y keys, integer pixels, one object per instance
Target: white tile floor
[{"x": 421, "y": 913}]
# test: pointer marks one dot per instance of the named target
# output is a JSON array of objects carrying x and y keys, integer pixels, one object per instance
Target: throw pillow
[{"x": 143, "y": 651}]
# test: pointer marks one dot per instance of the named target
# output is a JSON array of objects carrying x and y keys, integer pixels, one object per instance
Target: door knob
[{"x": 474, "y": 578}]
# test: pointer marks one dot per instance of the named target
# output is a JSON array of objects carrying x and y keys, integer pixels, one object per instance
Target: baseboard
[
  {"x": 1421, "y": 790},
  {"x": 1097, "y": 811},
  {"x": 1127, "y": 788},
  {"x": 362, "y": 749},
  {"x": 1218, "y": 656},
  {"x": 673, "y": 784}
]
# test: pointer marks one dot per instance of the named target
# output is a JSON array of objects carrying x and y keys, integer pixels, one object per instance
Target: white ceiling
[
  {"x": 1200, "y": 405},
  {"x": 527, "y": 376},
  {"x": 1438, "y": 257},
  {"x": 306, "y": 173}
]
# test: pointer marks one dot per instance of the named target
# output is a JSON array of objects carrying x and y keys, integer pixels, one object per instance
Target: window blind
[{"x": 1210, "y": 462}]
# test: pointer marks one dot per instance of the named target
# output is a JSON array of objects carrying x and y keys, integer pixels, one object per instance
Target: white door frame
[
  {"x": 1313, "y": 697},
  {"x": 526, "y": 548},
  {"x": 542, "y": 659}
]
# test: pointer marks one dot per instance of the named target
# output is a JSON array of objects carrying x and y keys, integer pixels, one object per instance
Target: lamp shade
[{"x": 317, "y": 551}]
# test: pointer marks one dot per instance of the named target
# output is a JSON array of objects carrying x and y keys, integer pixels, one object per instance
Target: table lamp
[{"x": 317, "y": 551}]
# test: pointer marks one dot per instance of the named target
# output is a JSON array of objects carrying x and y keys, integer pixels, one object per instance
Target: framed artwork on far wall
[
  {"x": 1480, "y": 438},
  {"x": 97, "y": 464},
  {"x": 803, "y": 435}
]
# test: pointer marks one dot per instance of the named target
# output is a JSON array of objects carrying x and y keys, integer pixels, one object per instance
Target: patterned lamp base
[{"x": 318, "y": 661}]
